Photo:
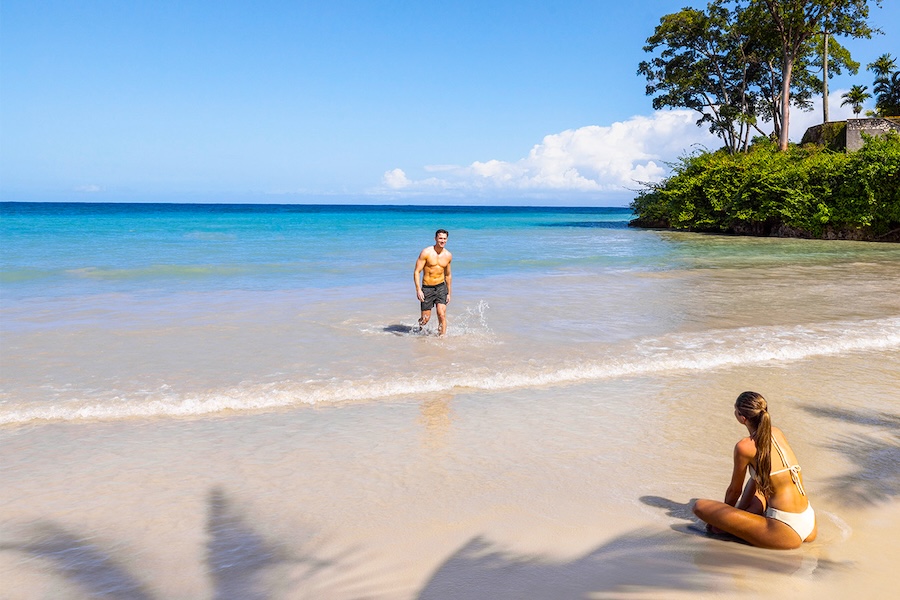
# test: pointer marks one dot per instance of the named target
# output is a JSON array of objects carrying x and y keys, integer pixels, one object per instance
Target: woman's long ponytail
[{"x": 754, "y": 408}]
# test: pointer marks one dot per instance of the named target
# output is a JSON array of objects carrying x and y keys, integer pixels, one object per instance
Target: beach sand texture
[{"x": 291, "y": 444}]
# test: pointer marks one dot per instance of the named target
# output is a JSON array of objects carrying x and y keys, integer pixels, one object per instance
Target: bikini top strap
[
  {"x": 794, "y": 469},
  {"x": 780, "y": 452}
]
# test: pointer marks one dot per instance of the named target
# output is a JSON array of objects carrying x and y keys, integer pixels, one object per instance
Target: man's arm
[
  {"x": 417, "y": 276},
  {"x": 448, "y": 277}
]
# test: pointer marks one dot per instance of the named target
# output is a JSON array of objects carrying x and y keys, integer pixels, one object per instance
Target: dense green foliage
[{"x": 806, "y": 191}]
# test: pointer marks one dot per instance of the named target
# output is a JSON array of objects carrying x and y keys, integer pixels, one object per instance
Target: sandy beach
[{"x": 576, "y": 492}]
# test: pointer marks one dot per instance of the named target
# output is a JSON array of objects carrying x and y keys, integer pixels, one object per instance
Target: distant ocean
[{"x": 112, "y": 311}]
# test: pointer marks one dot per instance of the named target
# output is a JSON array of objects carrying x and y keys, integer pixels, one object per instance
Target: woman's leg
[
  {"x": 751, "y": 501},
  {"x": 815, "y": 533},
  {"x": 753, "y": 528}
]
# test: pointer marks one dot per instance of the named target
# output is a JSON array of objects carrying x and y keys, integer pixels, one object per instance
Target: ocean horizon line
[{"x": 318, "y": 205}]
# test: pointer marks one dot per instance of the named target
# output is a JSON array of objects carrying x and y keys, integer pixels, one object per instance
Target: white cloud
[
  {"x": 89, "y": 189},
  {"x": 600, "y": 161},
  {"x": 592, "y": 159},
  {"x": 803, "y": 120},
  {"x": 396, "y": 179}
]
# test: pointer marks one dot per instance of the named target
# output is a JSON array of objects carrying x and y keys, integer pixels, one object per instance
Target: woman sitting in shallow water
[{"x": 773, "y": 511}]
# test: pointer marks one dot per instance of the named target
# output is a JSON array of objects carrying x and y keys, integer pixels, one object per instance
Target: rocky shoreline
[{"x": 860, "y": 234}]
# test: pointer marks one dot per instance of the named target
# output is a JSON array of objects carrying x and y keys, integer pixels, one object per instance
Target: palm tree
[
  {"x": 888, "y": 91},
  {"x": 887, "y": 85},
  {"x": 855, "y": 97},
  {"x": 882, "y": 66}
]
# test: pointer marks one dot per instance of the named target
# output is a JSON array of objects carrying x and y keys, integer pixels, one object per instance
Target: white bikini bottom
[{"x": 803, "y": 523}]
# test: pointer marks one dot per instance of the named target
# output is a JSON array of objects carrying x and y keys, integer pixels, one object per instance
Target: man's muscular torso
[{"x": 435, "y": 266}]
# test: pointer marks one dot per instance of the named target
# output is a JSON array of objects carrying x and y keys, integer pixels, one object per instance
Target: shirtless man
[{"x": 435, "y": 285}]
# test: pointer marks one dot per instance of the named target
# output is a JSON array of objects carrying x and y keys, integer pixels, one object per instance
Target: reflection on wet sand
[{"x": 436, "y": 416}]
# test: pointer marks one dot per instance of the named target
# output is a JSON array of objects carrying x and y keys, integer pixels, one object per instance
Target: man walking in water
[{"x": 435, "y": 285}]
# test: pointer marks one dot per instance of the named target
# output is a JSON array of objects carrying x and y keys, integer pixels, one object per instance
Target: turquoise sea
[
  {"x": 78, "y": 279},
  {"x": 63, "y": 249},
  {"x": 145, "y": 309},
  {"x": 231, "y": 401}
]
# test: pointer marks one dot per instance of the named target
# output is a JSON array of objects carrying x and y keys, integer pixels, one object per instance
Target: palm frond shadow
[
  {"x": 240, "y": 562},
  {"x": 236, "y": 556},
  {"x": 632, "y": 563},
  {"x": 243, "y": 565},
  {"x": 876, "y": 456},
  {"x": 83, "y": 562}
]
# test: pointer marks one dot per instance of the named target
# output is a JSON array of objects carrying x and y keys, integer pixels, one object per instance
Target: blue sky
[{"x": 458, "y": 102}]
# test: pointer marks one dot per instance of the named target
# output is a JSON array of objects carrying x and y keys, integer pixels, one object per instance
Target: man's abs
[{"x": 433, "y": 275}]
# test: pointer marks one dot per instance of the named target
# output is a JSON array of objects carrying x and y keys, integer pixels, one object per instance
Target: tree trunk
[
  {"x": 825, "y": 79},
  {"x": 787, "y": 69}
]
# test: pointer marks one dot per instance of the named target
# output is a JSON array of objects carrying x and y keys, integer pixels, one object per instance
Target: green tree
[
  {"x": 887, "y": 86},
  {"x": 753, "y": 21},
  {"x": 883, "y": 65},
  {"x": 796, "y": 22},
  {"x": 887, "y": 91},
  {"x": 703, "y": 65},
  {"x": 727, "y": 63},
  {"x": 855, "y": 97}
]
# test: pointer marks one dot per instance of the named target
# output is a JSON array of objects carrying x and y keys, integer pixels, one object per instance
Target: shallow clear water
[{"x": 114, "y": 311}]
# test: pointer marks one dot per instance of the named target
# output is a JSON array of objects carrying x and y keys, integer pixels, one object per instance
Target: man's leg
[
  {"x": 423, "y": 320},
  {"x": 442, "y": 318}
]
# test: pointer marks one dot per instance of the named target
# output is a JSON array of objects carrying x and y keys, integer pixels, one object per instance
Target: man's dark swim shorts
[{"x": 434, "y": 294}]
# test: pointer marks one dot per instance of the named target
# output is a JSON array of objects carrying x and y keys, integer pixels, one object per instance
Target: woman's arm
[{"x": 744, "y": 451}]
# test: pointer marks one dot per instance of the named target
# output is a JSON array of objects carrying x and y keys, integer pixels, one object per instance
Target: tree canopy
[
  {"x": 887, "y": 86},
  {"x": 741, "y": 61},
  {"x": 797, "y": 22},
  {"x": 703, "y": 65},
  {"x": 855, "y": 97}
]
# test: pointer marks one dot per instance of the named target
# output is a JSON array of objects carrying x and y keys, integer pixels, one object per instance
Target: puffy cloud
[
  {"x": 593, "y": 159},
  {"x": 396, "y": 179},
  {"x": 803, "y": 120}
]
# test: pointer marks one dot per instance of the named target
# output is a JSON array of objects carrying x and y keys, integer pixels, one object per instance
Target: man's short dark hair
[{"x": 440, "y": 231}]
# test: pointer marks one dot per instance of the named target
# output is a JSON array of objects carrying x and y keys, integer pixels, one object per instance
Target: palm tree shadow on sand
[
  {"x": 634, "y": 563},
  {"x": 86, "y": 564},
  {"x": 875, "y": 454},
  {"x": 241, "y": 563},
  {"x": 236, "y": 556}
]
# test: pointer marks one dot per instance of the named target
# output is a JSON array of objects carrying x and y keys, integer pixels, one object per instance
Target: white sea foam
[
  {"x": 842, "y": 526},
  {"x": 705, "y": 351}
]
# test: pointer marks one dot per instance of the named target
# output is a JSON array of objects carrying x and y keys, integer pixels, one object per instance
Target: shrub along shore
[{"x": 807, "y": 191}]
